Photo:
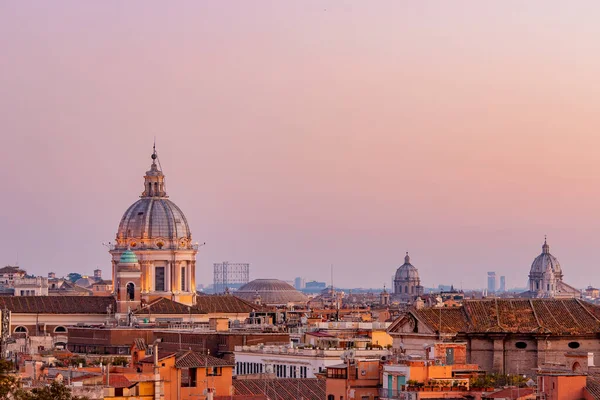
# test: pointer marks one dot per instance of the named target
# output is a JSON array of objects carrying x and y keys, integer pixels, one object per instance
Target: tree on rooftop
[{"x": 55, "y": 391}]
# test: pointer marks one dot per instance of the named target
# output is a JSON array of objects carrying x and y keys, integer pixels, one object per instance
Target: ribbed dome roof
[
  {"x": 271, "y": 291},
  {"x": 545, "y": 262},
  {"x": 407, "y": 271},
  {"x": 153, "y": 217}
]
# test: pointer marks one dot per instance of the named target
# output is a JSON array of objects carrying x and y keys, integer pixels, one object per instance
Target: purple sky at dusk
[{"x": 299, "y": 134}]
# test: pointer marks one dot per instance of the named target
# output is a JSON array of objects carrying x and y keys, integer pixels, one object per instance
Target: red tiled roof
[
  {"x": 193, "y": 359},
  {"x": 224, "y": 304},
  {"x": 167, "y": 306},
  {"x": 162, "y": 354},
  {"x": 510, "y": 393},
  {"x": 58, "y": 304},
  {"x": 553, "y": 316},
  {"x": 282, "y": 388},
  {"x": 117, "y": 381}
]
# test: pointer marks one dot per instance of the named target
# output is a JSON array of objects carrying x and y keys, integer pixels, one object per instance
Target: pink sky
[{"x": 295, "y": 135}]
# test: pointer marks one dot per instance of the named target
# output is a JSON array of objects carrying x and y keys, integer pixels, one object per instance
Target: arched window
[
  {"x": 60, "y": 329},
  {"x": 330, "y": 397},
  {"x": 130, "y": 291},
  {"x": 406, "y": 289},
  {"x": 576, "y": 367},
  {"x": 20, "y": 329},
  {"x": 537, "y": 286}
]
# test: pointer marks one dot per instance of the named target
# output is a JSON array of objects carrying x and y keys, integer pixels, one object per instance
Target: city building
[
  {"x": 356, "y": 378},
  {"x": 504, "y": 335},
  {"x": 491, "y": 282},
  {"x": 37, "y": 286},
  {"x": 299, "y": 283},
  {"x": 188, "y": 374},
  {"x": 546, "y": 278},
  {"x": 502, "y": 287},
  {"x": 315, "y": 286},
  {"x": 407, "y": 285},
  {"x": 293, "y": 362},
  {"x": 9, "y": 273}
]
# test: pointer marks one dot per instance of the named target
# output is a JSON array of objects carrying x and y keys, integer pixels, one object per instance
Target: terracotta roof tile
[
  {"x": 193, "y": 359},
  {"x": 58, "y": 304},
  {"x": 167, "y": 306},
  {"x": 224, "y": 304},
  {"x": 282, "y": 388},
  {"x": 555, "y": 316}
]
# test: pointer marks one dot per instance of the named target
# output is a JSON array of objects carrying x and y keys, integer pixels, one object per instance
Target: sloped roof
[
  {"x": 552, "y": 316},
  {"x": 57, "y": 304},
  {"x": 193, "y": 359},
  {"x": 189, "y": 359},
  {"x": 117, "y": 381},
  {"x": 282, "y": 388},
  {"x": 593, "y": 385},
  {"x": 11, "y": 269},
  {"x": 167, "y": 306},
  {"x": 510, "y": 393},
  {"x": 162, "y": 354},
  {"x": 224, "y": 304}
]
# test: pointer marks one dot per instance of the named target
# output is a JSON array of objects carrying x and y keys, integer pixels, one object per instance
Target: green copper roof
[{"x": 128, "y": 257}]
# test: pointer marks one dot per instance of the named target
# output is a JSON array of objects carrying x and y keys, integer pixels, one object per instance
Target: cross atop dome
[
  {"x": 545, "y": 247},
  {"x": 154, "y": 180}
]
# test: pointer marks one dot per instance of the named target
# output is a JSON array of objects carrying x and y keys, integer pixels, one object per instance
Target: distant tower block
[
  {"x": 502, "y": 284},
  {"x": 228, "y": 275},
  {"x": 491, "y": 286},
  {"x": 97, "y": 273}
]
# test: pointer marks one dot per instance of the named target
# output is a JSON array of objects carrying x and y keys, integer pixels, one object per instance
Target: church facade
[{"x": 153, "y": 255}]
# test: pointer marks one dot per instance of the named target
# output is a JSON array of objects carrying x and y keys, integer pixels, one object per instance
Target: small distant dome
[
  {"x": 271, "y": 292},
  {"x": 406, "y": 271},
  {"x": 85, "y": 281},
  {"x": 128, "y": 257}
]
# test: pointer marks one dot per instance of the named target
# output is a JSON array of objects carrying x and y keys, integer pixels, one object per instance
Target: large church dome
[
  {"x": 153, "y": 218},
  {"x": 154, "y": 221},
  {"x": 545, "y": 262},
  {"x": 406, "y": 271}
]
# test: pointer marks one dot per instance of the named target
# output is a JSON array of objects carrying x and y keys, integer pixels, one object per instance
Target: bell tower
[{"x": 128, "y": 282}]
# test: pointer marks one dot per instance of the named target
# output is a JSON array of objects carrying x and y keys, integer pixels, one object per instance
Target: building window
[
  {"x": 214, "y": 371},
  {"x": 159, "y": 279},
  {"x": 521, "y": 345},
  {"x": 406, "y": 289},
  {"x": 60, "y": 329},
  {"x": 130, "y": 291},
  {"x": 188, "y": 377},
  {"x": 573, "y": 345},
  {"x": 20, "y": 329}
]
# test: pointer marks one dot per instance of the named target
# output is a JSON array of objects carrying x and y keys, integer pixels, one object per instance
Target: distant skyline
[{"x": 296, "y": 135}]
